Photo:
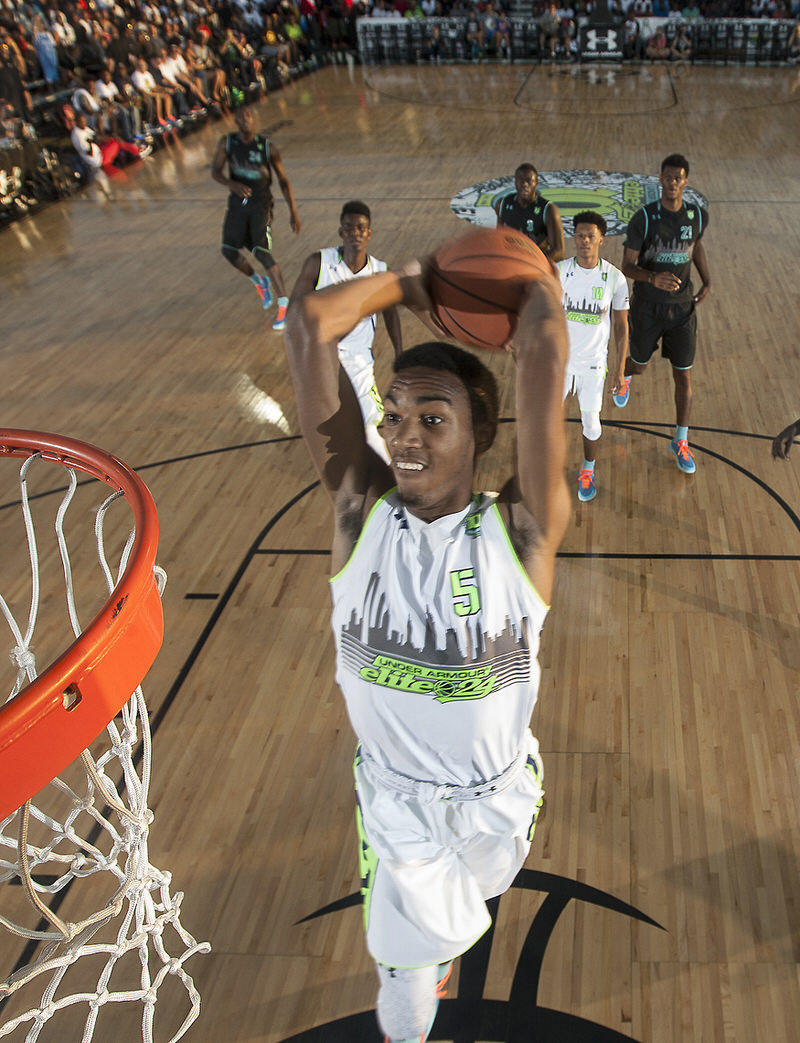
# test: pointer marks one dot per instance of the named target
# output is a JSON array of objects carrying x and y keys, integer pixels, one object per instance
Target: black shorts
[
  {"x": 247, "y": 227},
  {"x": 674, "y": 324}
]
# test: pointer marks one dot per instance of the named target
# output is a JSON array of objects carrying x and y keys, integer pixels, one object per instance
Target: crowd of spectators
[
  {"x": 552, "y": 17},
  {"x": 487, "y": 30},
  {"x": 137, "y": 69},
  {"x": 114, "y": 76}
]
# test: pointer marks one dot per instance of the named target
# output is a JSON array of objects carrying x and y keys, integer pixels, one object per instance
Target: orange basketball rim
[{"x": 51, "y": 721}]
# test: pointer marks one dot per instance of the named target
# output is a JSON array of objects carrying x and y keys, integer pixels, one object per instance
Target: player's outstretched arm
[
  {"x": 782, "y": 443},
  {"x": 540, "y": 347}
]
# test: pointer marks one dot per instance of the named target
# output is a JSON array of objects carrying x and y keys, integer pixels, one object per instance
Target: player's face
[
  {"x": 427, "y": 427},
  {"x": 673, "y": 181},
  {"x": 244, "y": 121},
  {"x": 355, "y": 232},
  {"x": 588, "y": 240},
  {"x": 526, "y": 185}
]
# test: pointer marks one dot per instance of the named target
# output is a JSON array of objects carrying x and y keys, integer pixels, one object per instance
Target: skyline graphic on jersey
[
  {"x": 589, "y": 312},
  {"x": 385, "y": 661},
  {"x": 669, "y": 251},
  {"x": 380, "y": 654},
  {"x": 439, "y": 644}
]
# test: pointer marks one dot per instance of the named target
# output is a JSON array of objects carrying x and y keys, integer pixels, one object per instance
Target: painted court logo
[
  {"x": 616, "y": 196},
  {"x": 471, "y": 1015}
]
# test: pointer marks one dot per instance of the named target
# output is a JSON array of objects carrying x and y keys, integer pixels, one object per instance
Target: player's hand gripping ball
[{"x": 476, "y": 282}]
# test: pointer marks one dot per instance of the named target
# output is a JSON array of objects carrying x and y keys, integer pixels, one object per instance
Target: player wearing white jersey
[
  {"x": 337, "y": 264},
  {"x": 595, "y": 298},
  {"x": 439, "y": 597}
]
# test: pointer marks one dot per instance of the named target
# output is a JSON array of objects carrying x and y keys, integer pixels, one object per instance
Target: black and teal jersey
[
  {"x": 248, "y": 162},
  {"x": 665, "y": 241},
  {"x": 530, "y": 220}
]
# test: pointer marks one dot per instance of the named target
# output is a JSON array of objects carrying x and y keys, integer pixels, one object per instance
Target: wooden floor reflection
[{"x": 668, "y": 713}]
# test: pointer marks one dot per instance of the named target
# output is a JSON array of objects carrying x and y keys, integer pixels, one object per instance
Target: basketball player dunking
[{"x": 439, "y": 597}]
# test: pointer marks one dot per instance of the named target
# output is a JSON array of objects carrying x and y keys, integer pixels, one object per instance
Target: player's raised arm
[
  {"x": 330, "y": 417},
  {"x": 540, "y": 349},
  {"x": 329, "y": 414}
]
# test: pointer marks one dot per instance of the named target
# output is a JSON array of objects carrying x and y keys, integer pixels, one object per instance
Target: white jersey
[
  {"x": 589, "y": 296},
  {"x": 437, "y": 629},
  {"x": 332, "y": 271},
  {"x": 355, "y": 350}
]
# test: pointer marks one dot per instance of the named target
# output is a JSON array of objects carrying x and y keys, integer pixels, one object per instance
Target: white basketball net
[{"x": 93, "y": 819}]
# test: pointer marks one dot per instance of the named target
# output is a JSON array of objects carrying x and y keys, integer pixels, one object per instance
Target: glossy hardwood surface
[{"x": 668, "y": 714}]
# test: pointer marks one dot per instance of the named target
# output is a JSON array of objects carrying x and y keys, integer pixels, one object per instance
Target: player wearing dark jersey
[
  {"x": 251, "y": 159},
  {"x": 664, "y": 239},
  {"x": 530, "y": 213}
]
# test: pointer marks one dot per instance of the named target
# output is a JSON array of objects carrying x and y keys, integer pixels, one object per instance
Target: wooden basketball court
[{"x": 660, "y": 900}]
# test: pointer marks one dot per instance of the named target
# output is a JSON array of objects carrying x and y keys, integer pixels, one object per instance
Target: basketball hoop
[{"x": 53, "y": 748}]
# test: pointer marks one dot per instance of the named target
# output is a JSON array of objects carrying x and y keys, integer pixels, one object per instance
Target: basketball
[{"x": 476, "y": 283}]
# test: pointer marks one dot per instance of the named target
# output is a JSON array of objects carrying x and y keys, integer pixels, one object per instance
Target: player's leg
[
  {"x": 683, "y": 404},
  {"x": 589, "y": 388},
  {"x": 262, "y": 251},
  {"x": 237, "y": 234},
  {"x": 408, "y": 999},
  {"x": 274, "y": 276},
  {"x": 283, "y": 297},
  {"x": 680, "y": 340},
  {"x": 644, "y": 329},
  {"x": 587, "y": 490},
  {"x": 234, "y": 234}
]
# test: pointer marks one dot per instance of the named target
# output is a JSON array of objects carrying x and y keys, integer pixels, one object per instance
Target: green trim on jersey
[
  {"x": 374, "y": 508},
  {"x": 520, "y": 566}
]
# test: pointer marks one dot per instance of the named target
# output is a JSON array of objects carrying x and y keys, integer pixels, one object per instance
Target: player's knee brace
[
  {"x": 591, "y": 426},
  {"x": 232, "y": 255},
  {"x": 264, "y": 256},
  {"x": 406, "y": 1000}
]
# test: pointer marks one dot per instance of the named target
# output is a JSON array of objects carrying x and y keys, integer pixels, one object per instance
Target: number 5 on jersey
[{"x": 466, "y": 596}]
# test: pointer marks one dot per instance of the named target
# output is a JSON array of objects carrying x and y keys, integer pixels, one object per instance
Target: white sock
[{"x": 406, "y": 1001}]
